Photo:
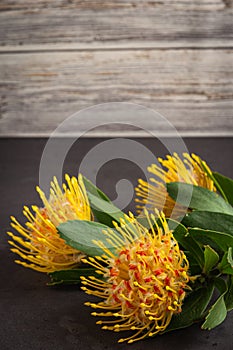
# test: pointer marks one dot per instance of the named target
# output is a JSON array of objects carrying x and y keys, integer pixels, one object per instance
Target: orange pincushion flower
[
  {"x": 144, "y": 279},
  {"x": 39, "y": 243},
  {"x": 155, "y": 195}
]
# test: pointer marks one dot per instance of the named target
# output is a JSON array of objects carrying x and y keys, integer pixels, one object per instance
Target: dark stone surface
[{"x": 34, "y": 316}]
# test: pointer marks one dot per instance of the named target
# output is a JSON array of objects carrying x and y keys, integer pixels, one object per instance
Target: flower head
[
  {"x": 155, "y": 195},
  {"x": 143, "y": 281},
  {"x": 38, "y": 243}
]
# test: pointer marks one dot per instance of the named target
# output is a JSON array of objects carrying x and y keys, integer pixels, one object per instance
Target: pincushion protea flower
[
  {"x": 155, "y": 195},
  {"x": 39, "y": 243},
  {"x": 143, "y": 283}
]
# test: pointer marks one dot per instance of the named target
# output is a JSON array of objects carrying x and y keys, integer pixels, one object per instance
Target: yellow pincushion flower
[
  {"x": 155, "y": 195},
  {"x": 143, "y": 282},
  {"x": 38, "y": 243}
]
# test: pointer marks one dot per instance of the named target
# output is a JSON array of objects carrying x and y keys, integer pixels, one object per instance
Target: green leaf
[
  {"x": 226, "y": 265},
  {"x": 199, "y": 198},
  {"x": 193, "y": 308},
  {"x": 104, "y": 211},
  {"x": 102, "y": 207},
  {"x": 70, "y": 277},
  {"x": 176, "y": 226},
  {"x": 194, "y": 269},
  {"x": 217, "y": 312},
  {"x": 80, "y": 234},
  {"x": 226, "y": 185},
  {"x": 222, "y": 240},
  {"x": 209, "y": 221},
  {"x": 229, "y": 295},
  {"x": 211, "y": 176},
  {"x": 144, "y": 221},
  {"x": 91, "y": 188},
  {"x": 211, "y": 259},
  {"x": 220, "y": 283},
  {"x": 180, "y": 233},
  {"x": 216, "y": 315}
]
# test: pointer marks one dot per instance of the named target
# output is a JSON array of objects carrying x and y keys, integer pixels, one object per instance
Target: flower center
[
  {"x": 148, "y": 278},
  {"x": 123, "y": 273}
]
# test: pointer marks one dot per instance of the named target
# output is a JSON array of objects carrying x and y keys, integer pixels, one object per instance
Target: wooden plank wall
[{"x": 57, "y": 57}]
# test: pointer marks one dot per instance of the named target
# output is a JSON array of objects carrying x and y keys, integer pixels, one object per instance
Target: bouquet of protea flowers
[{"x": 154, "y": 272}]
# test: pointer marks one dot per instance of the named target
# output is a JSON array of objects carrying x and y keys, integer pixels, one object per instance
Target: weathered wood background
[{"x": 58, "y": 57}]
